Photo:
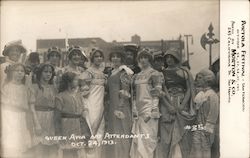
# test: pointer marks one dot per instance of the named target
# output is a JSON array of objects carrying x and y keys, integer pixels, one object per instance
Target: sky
[{"x": 112, "y": 20}]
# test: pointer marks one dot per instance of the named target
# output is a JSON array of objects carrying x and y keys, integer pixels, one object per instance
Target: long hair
[
  {"x": 66, "y": 81},
  {"x": 9, "y": 71},
  {"x": 39, "y": 70}
]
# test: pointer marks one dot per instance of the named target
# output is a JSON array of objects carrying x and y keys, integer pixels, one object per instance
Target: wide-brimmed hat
[
  {"x": 175, "y": 53},
  {"x": 77, "y": 49},
  {"x": 10, "y": 45}
]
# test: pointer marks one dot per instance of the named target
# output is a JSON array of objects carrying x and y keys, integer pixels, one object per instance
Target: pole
[
  {"x": 187, "y": 50},
  {"x": 210, "y": 55}
]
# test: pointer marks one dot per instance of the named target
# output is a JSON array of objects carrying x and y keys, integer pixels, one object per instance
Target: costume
[
  {"x": 45, "y": 107},
  {"x": 145, "y": 106},
  {"x": 16, "y": 130},
  {"x": 70, "y": 107},
  {"x": 207, "y": 105},
  {"x": 119, "y": 118},
  {"x": 95, "y": 105},
  {"x": 175, "y": 141}
]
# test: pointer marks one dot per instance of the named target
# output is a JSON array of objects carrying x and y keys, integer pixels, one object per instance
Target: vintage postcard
[{"x": 125, "y": 79}]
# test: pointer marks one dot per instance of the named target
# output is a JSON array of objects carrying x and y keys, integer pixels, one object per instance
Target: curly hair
[
  {"x": 66, "y": 81},
  {"x": 9, "y": 71},
  {"x": 39, "y": 70}
]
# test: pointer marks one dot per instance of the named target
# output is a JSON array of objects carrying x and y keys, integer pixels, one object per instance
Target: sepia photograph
[{"x": 110, "y": 79}]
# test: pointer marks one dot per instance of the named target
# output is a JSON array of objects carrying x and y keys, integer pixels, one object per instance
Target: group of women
[{"x": 41, "y": 102}]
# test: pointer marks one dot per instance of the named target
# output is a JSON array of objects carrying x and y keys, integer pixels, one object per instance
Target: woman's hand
[
  {"x": 155, "y": 92},
  {"x": 146, "y": 118},
  {"x": 119, "y": 114}
]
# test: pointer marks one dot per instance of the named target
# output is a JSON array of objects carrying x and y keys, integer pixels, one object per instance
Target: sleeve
[
  {"x": 58, "y": 103},
  {"x": 157, "y": 79},
  {"x": 125, "y": 84},
  {"x": 213, "y": 113},
  {"x": 31, "y": 95},
  {"x": 57, "y": 116},
  {"x": 157, "y": 82}
]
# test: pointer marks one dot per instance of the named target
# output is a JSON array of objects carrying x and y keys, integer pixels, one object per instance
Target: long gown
[
  {"x": 95, "y": 107},
  {"x": 118, "y": 84},
  {"x": 146, "y": 105},
  {"x": 175, "y": 141},
  {"x": 45, "y": 107},
  {"x": 15, "y": 131}
]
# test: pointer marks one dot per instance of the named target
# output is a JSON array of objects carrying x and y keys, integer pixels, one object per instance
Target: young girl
[
  {"x": 44, "y": 92},
  {"x": 17, "y": 104},
  {"x": 12, "y": 51},
  {"x": 70, "y": 107}
]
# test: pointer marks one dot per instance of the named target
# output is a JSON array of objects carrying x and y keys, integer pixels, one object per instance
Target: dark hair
[
  {"x": 39, "y": 71},
  {"x": 34, "y": 57},
  {"x": 74, "y": 52},
  {"x": 175, "y": 59},
  {"x": 54, "y": 50},
  {"x": 9, "y": 71},
  {"x": 76, "y": 49},
  {"x": 94, "y": 51},
  {"x": 67, "y": 79},
  {"x": 119, "y": 54},
  {"x": 145, "y": 53}
]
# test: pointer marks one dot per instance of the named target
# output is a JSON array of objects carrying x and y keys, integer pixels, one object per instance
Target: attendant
[
  {"x": 146, "y": 108},
  {"x": 70, "y": 108},
  {"x": 75, "y": 56},
  {"x": 31, "y": 66},
  {"x": 45, "y": 92},
  {"x": 54, "y": 57},
  {"x": 176, "y": 109},
  {"x": 17, "y": 110},
  {"x": 12, "y": 52},
  {"x": 119, "y": 117},
  {"x": 207, "y": 107},
  {"x": 96, "y": 103}
]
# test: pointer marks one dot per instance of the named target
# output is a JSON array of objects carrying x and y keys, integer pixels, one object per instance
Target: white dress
[
  {"x": 16, "y": 137},
  {"x": 96, "y": 107}
]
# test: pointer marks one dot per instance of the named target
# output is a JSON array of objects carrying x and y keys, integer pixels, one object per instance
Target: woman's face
[
  {"x": 98, "y": 59},
  {"x": 14, "y": 54},
  {"x": 54, "y": 59},
  {"x": 47, "y": 73},
  {"x": 76, "y": 58},
  {"x": 116, "y": 60},
  {"x": 170, "y": 60},
  {"x": 144, "y": 61},
  {"x": 18, "y": 73},
  {"x": 199, "y": 81}
]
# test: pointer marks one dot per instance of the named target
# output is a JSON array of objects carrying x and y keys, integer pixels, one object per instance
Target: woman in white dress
[
  {"x": 96, "y": 103},
  {"x": 17, "y": 104}
]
